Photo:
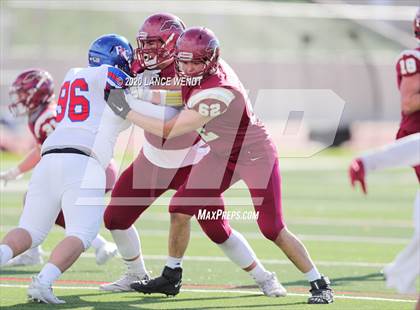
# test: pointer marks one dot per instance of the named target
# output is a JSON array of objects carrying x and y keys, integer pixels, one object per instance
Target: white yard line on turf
[
  {"x": 222, "y": 291},
  {"x": 258, "y": 235},
  {"x": 223, "y": 259},
  {"x": 269, "y": 261}
]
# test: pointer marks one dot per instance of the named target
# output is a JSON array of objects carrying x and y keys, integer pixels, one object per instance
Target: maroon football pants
[
  {"x": 258, "y": 168},
  {"x": 137, "y": 188}
]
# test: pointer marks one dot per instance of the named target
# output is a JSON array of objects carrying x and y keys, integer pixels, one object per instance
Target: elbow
[
  {"x": 169, "y": 131},
  {"x": 166, "y": 132},
  {"x": 410, "y": 104}
]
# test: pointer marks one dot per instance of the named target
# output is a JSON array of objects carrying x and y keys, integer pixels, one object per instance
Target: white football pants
[
  {"x": 73, "y": 183},
  {"x": 402, "y": 273}
]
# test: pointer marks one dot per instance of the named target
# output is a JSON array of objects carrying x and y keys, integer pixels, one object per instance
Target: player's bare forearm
[
  {"x": 31, "y": 160},
  {"x": 149, "y": 124}
]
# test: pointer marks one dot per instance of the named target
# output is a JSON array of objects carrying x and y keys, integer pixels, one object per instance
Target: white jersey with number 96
[{"x": 84, "y": 120}]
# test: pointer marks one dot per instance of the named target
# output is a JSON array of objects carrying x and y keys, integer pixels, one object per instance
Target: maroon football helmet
[
  {"x": 416, "y": 25},
  {"x": 197, "y": 44},
  {"x": 30, "y": 89},
  {"x": 163, "y": 29}
]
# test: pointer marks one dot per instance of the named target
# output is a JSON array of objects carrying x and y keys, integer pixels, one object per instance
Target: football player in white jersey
[
  {"x": 403, "y": 152},
  {"x": 404, "y": 270},
  {"x": 71, "y": 173},
  {"x": 32, "y": 94}
]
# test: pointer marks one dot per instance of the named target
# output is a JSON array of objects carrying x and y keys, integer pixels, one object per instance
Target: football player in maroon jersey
[
  {"x": 156, "y": 40},
  {"x": 408, "y": 79},
  {"x": 164, "y": 164},
  {"x": 240, "y": 149},
  {"x": 32, "y": 94}
]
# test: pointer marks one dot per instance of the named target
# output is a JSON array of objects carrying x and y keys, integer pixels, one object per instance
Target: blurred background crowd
[{"x": 348, "y": 47}]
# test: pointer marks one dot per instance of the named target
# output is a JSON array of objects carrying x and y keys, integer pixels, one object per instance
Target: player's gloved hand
[
  {"x": 115, "y": 98},
  {"x": 149, "y": 76},
  {"x": 357, "y": 174},
  {"x": 141, "y": 89},
  {"x": 136, "y": 67},
  {"x": 139, "y": 92},
  {"x": 10, "y": 175}
]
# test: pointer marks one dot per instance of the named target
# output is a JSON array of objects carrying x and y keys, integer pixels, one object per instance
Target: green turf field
[{"x": 350, "y": 237}]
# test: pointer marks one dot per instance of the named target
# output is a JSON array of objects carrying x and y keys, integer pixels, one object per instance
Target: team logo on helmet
[
  {"x": 42, "y": 76},
  {"x": 122, "y": 52},
  {"x": 31, "y": 89},
  {"x": 30, "y": 77},
  {"x": 95, "y": 59},
  {"x": 169, "y": 24}
]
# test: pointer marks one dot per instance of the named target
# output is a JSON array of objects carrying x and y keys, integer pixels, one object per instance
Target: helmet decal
[
  {"x": 31, "y": 89},
  {"x": 162, "y": 28},
  {"x": 113, "y": 50},
  {"x": 169, "y": 24}
]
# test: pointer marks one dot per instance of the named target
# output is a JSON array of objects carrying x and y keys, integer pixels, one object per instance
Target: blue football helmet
[{"x": 113, "y": 50}]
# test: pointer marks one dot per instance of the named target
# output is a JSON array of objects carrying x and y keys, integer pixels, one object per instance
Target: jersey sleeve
[
  {"x": 44, "y": 126},
  {"x": 152, "y": 110},
  {"x": 408, "y": 63},
  {"x": 211, "y": 102},
  {"x": 116, "y": 78}
]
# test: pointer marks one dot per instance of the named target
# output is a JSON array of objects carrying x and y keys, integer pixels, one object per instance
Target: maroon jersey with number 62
[{"x": 234, "y": 126}]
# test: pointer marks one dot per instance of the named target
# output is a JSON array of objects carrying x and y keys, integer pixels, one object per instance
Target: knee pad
[
  {"x": 270, "y": 225},
  {"x": 218, "y": 231},
  {"x": 108, "y": 219},
  {"x": 115, "y": 219},
  {"x": 271, "y": 232}
]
